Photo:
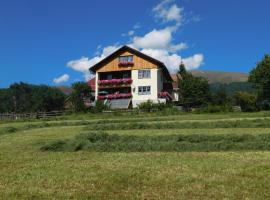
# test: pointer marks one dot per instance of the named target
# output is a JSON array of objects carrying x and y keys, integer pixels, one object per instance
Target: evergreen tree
[
  {"x": 193, "y": 91},
  {"x": 80, "y": 91},
  {"x": 260, "y": 75}
]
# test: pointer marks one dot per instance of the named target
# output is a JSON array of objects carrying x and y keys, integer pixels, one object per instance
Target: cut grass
[
  {"x": 28, "y": 173},
  {"x": 103, "y": 142},
  {"x": 244, "y": 123}
]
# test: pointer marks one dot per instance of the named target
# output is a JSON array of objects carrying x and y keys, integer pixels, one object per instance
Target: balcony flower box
[
  {"x": 164, "y": 95},
  {"x": 123, "y": 64},
  {"x": 115, "y": 81},
  {"x": 115, "y": 96}
]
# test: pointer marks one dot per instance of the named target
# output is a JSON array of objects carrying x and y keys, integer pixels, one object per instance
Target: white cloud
[
  {"x": 156, "y": 39},
  {"x": 137, "y": 26},
  {"x": 158, "y": 43},
  {"x": 61, "y": 79},
  {"x": 172, "y": 61},
  {"x": 83, "y": 64},
  {"x": 130, "y": 33},
  {"x": 168, "y": 12},
  {"x": 194, "y": 61}
]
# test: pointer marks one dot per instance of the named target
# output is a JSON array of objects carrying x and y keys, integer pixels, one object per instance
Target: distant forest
[{"x": 231, "y": 88}]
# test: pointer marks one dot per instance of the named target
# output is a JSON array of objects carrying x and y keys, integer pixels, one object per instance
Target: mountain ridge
[{"x": 221, "y": 76}]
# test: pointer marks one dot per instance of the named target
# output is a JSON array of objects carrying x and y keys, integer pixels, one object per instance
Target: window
[
  {"x": 144, "y": 90},
  {"x": 144, "y": 74},
  {"x": 125, "y": 75},
  {"x": 109, "y": 77},
  {"x": 125, "y": 59}
]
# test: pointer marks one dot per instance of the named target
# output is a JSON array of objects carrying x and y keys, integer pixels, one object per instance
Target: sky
[{"x": 55, "y": 42}]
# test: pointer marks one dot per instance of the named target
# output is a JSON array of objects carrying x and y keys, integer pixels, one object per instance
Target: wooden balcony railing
[
  {"x": 115, "y": 96},
  {"x": 164, "y": 95},
  {"x": 121, "y": 81}
]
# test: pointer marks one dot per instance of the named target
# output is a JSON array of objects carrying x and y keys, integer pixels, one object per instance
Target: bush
[
  {"x": 150, "y": 106},
  {"x": 246, "y": 101},
  {"x": 264, "y": 105},
  {"x": 215, "y": 108},
  {"x": 99, "y": 107}
]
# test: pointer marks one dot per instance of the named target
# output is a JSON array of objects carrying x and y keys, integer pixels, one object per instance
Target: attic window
[{"x": 125, "y": 60}]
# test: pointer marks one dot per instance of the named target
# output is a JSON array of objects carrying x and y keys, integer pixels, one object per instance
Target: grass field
[{"x": 28, "y": 172}]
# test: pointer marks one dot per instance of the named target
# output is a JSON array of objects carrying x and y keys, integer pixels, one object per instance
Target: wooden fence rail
[{"x": 38, "y": 115}]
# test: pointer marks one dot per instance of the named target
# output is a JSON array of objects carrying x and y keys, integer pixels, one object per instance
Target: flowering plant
[
  {"x": 115, "y": 81},
  {"x": 115, "y": 96},
  {"x": 164, "y": 95},
  {"x": 125, "y": 63}
]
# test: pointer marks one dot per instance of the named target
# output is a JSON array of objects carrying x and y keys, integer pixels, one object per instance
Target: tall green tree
[
  {"x": 23, "y": 98},
  {"x": 5, "y": 101},
  {"x": 260, "y": 75},
  {"x": 220, "y": 96},
  {"x": 182, "y": 69},
  {"x": 246, "y": 101},
  {"x": 194, "y": 91},
  {"x": 80, "y": 92}
]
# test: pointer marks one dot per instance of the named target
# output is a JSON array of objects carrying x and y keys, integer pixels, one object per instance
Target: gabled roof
[
  {"x": 92, "y": 83},
  {"x": 124, "y": 48}
]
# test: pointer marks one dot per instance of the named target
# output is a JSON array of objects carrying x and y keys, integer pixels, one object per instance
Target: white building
[{"x": 128, "y": 77}]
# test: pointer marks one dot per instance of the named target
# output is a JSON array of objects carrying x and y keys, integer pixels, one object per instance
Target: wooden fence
[{"x": 38, "y": 115}]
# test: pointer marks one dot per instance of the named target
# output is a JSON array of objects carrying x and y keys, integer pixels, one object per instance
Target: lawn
[{"x": 27, "y": 172}]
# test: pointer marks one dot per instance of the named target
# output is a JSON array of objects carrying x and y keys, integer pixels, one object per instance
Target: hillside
[
  {"x": 221, "y": 77},
  {"x": 137, "y": 156}
]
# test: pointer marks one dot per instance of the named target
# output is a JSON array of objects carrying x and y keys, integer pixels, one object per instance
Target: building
[{"x": 128, "y": 77}]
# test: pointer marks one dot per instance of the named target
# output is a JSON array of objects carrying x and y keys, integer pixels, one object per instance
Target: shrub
[
  {"x": 215, "y": 108},
  {"x": 150, "y": 106},
  {"x": 246, "y": 101},
  {"x": 99, "y": 106}
]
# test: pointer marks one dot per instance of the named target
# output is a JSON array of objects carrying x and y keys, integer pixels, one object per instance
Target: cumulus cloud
[
  {"x": 168, "y": 12},
  {"x": 83, "y": 64},
  {"x": 194, "y": 61},
  {"x": 157, "y": 43},
  {"x": 156, "y": 39},
  {"x": 61, "y": 79},
  {"x": 172, "y": 61}
]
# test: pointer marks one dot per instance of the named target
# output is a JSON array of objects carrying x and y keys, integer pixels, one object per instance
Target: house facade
[{"x": 128, "y": 77}]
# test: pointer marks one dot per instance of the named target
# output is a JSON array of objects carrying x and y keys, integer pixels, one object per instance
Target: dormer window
[{"x": 125, "y": 60}]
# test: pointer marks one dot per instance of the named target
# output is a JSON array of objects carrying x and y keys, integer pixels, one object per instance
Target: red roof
[{"x": 92, "y": 83}]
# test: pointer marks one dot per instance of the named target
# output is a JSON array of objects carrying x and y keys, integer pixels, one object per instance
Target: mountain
[{"x": 221, "y": 77}]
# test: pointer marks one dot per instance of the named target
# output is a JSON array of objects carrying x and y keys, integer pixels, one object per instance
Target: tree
[
  {"x": 80, "y": 91},
  {"x": 182, "y": 69},
  {"x": 5, "y": 101},
  {"x": 46, "y": 98},
  {"x": 260, "y": 75},
  {"x": 220, "y": 97},
  {"x": 246, "y": 101},
  {"x": 193, "y": 91},
  {"x": 23, "y": 97}
]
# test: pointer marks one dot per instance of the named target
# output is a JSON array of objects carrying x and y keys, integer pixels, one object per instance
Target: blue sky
[{"x": 54, "y": 42}]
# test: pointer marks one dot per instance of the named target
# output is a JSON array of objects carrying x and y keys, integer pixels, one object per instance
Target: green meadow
[{"x": 137, "y": 156}]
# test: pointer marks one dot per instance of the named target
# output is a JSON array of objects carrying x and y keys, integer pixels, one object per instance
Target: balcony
[
  {"x": 122, "y": 82},
  {"x": 115, "y": 96},
  {"x": 164, "y": 95},
  {"x": 125, "y": 64}
]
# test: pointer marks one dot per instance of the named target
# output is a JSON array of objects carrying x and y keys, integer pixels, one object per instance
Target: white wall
[
  {"x": 96, "y": 92},
  {"x": 153, "y": 82}
]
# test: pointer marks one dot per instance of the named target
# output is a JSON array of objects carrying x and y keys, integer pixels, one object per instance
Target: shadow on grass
[{"x": 103, "y": 142}]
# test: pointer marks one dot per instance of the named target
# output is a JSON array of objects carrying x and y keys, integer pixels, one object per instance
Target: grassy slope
[{"x": 27, "y": 172}]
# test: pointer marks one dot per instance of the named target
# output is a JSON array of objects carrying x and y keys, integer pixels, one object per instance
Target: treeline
[
  {"x": 23, "y": 97},
  {"x": 253, "y": 95},
  {"x": 232, "y": 88}
]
